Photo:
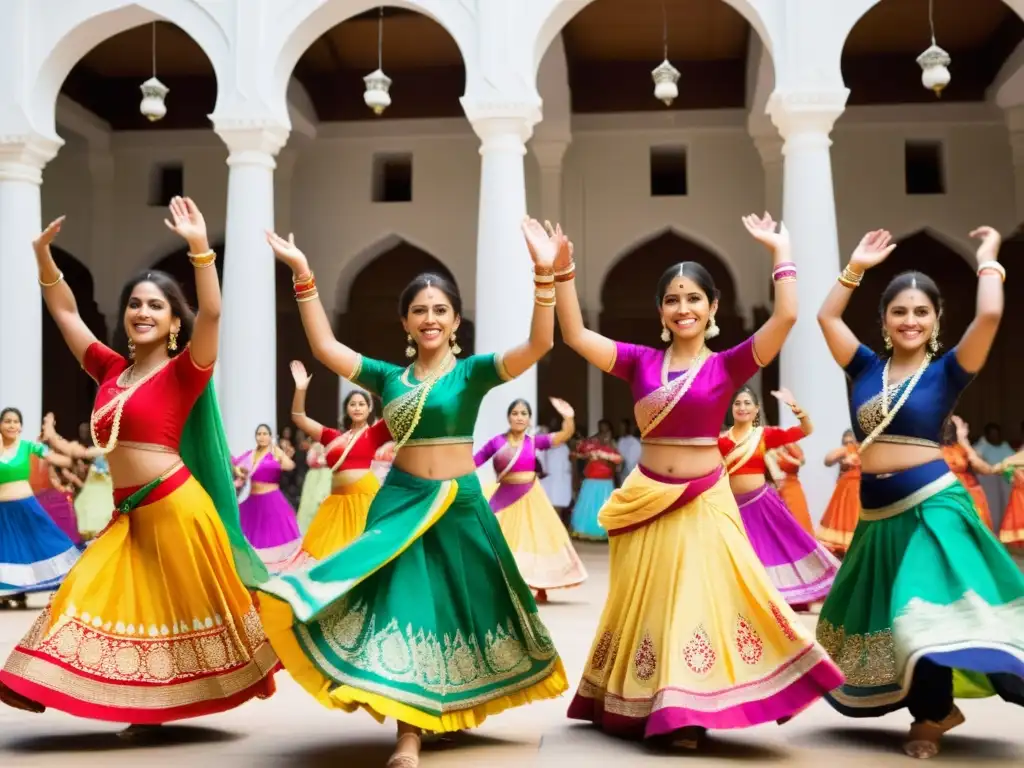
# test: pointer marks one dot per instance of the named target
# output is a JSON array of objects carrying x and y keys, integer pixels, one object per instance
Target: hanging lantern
[
  {"x": 153, "y": 93},
  {"x": 377, "y": 97},
  {"x": 934, "y": 68},
  {"x": 665, "y": 78}
]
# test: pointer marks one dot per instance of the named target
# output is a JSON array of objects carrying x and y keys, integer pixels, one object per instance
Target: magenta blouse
[
  {"x": 508, "y": 460},
  {"x": 670, "y": 413},
  {"x": 267, "y": 471}
]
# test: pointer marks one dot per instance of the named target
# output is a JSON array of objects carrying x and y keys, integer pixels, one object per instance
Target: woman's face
[
  {"x": 909, "y": 320},
  {"x": 744, "y": 409},
  {"x": 604, "y": 429},
  {"x": 148, "y": 319},
  {"x": 519, "y": 419},
  {"x": 286, "y": 433},
  {"x": 685, "y": 308},
  {"x": 263, "y": 437},
  {"x": 431, "y": 320},
  {"x": 848, "y": 438},
  {"x": 10, "y": 427},
  {"x": 358, "y": 409}
]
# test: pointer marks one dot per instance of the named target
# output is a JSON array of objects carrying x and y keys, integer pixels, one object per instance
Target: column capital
[
  {"x": 807, "y": 110},
  {"x": 251, "y": 140},
  {"x": 496, "y": 122},
  {"x": 23, "y": 156}
]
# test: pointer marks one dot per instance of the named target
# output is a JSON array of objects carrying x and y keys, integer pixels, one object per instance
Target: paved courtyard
[{"x": 291, "y": 731}]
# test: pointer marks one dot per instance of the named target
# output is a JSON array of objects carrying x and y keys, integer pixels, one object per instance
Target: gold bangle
[
  {"x": 202, "y": 259},
  {"x": 304, "y": 299},
  {"x": 60, "y": 276},
  {"x": 567, "y": 270},
  {"x": 296, "y": 279}
]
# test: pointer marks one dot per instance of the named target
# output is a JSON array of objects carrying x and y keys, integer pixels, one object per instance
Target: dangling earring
[
  {"x": 888, "y": 340},
  {"x": 933, "y": 343},
  {"x": 712, "y": 330},
  {"x": 172, "y": 342},
  {"x": 666, "y": 334},
  {"x": 757, "y": 419},
  {"x": 131, "y": 349},
  {"x": 410, "y": 348},
  {"x": 453, "y": 342}
]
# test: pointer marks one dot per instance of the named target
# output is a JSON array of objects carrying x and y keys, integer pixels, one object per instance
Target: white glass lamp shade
[
  {"x": 934, "y": 64},
  {"x": 377, "y": 96},
  {"x": 153, "y": 94},
  {"x": 665, "y": 78}
]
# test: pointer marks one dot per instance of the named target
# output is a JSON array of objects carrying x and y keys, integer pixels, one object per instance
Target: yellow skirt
[
  {"x": 539, "y": 541},
  {"x": 693, "y": 633},
  {"x": 151, "y": 625},
  {"x": 341, "y": 517}
]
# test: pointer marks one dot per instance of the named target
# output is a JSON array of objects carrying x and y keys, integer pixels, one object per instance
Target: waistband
[
  {"x": 398, "y": 478},
  {"x": 130, "y": 497},
  {"x": 679, "y": 441},
  {"x": 893, "y": 493},
  {"x": 519, "y": 478},
  {"x": 711, "y": 477},
  {"x": 368, "y": 483}
]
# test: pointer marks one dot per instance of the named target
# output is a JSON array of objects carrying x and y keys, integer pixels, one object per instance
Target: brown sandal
[{"x": 923, "y": 742}]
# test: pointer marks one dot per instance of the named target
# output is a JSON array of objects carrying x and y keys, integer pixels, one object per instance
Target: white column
[
  {"x": 549, "y": 156},
  {"x": 805, "y": 121},
  {"x": 247, "y": 377},
  {"x": 1015, "y": 125},
  {"x": 22, "y": 160},
  {"x": 504, "y": 277}
]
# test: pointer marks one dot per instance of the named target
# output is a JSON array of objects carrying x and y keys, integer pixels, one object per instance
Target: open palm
[
  {"x": 48, "y": 235},
  {"x": 785, "y": 396},
  {"x": 287, "y": 252},
  {"x": 762, "y": 229},
  {"x": 299, "y": 374},
  {"x": 990, "y": 242},
  {"x": 564, "y": 409},
  {"x": 543, "y": 246},
  {"x": 186, "y": 220},
  {"x": 873, "y": 249}
]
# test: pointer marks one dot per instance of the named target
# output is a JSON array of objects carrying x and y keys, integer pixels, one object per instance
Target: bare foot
[{"x": 407, "y": 751}]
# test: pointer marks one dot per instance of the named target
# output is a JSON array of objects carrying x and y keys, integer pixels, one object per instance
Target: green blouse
[
  {"x": 442, "y": 413},
  {"x": 16, "y": 466}
]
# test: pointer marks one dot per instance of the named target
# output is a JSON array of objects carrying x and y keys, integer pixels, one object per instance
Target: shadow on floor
[
  {"x": 890, "y": 741},
  {"x": 717, "y": 745},
  {"x": 168, "y": 735},
  {"x": 363, "y": 753}
]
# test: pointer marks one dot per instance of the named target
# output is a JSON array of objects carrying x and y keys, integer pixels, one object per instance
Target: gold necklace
[{"x": 691, "y": 371}]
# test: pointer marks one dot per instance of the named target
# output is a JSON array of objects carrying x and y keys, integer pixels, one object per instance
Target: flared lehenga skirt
[
  {"x": 268, "y": 522},
  {"x": 316, "y": 487},
  {"x": 94, "y": 505},
  {"x": 792, "y": 492},
  {"x": 539, "y": 542},
  {"x": 924, "y": 579},
  {"x": 841, "y": 515},
  {"x": 35, "y": 555},
  {"x": 423, "y": 618},
  {"x": 60, "y": 506},
  {"x": 592, "y": 496},
  {"x": 152, "y": 624},
  {"x": 1011, "y": 532},
  {"x": 340, "y": 520},
  {"x": 799, "y": 567},
  {"x": 693, "y": 633}
]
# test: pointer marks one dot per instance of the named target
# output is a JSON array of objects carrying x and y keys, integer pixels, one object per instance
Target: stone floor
[{"x": 291, "y": 731}]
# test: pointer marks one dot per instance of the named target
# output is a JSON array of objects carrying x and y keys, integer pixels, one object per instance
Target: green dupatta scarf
[{"x": 204, "y": 450}]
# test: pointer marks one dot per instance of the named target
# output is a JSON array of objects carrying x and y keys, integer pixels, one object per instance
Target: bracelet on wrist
[
  {"x": 201, "y": 260},
  {"x": 992, "y": 266},
  {"x": 567, "y": 270}
]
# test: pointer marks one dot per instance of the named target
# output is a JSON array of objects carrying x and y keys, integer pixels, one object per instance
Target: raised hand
[
  {"x": 762, "y": 229},
  {"x": 543, "y": 247},
  {"x": 990, "y": 242},
  {"x": 48, "y": 235},
  {"x": 287, "y": 252},
  {"x": 564, "y": 409},
  {"x": 188, "y": 223},
  {"x": 962, "y": 428},
  {"x": 49, "y": 426},
  {"x": 872, "y": 250},
  {"x": 783, "y": 395},
  {"x": 300, "y": 376}
]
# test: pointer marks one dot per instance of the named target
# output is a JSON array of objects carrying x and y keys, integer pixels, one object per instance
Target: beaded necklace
[
  {"x": 889, "y": 415},
  {"x": 403, "y": 413},
  {"x": 117, "y": 403}
]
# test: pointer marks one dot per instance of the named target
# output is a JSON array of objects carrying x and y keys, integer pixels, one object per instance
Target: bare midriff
[
  {"x": 259, "y": 489},
  {"x": 135, "y": 467},
  {"x": 348, "y": 477},
  {"x": 682, "y": 461},
  {"x": 745, "y": 483},
  {"x": 436, "y": 462},
  {"x": 885, "y": 458},
  {"x": 519, "y": 478},
  {"x": 14, "y": 491}
]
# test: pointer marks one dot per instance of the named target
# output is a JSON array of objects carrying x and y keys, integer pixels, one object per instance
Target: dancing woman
[
  {"x": 532, "y": 528},
  {"x": 843, "y": 510},
  {"x": 693, "y": 634},
  {"x": 966, "y": 464},
  {"x": 268, "y": 520},
  {"x": 927, "y": 606},
  {"x": 1011, "y": 531},
  {"x": 784, "y": 465},
  {"x": 154, "y": 623},
  {"x": 425, "y": 617},
  {"x": 800, "y": 568},
  {"x": 341, "y": 518},
  {"x": 598, "y": 484},
  {"x": 35, "y": 554}
]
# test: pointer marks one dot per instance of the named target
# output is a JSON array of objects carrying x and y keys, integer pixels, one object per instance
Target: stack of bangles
[
  {"x": 992, "y": 266},
  {"x": 849, "y": 278},
  {"x": 202, "y": 260},
  {"x": 784, "y": 272},
  {"x": 305, "y": 287},
  {"x": 544, "y": 286}
]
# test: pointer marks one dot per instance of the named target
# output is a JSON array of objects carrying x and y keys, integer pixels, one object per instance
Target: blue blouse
[{"x": 920, "y": 420}]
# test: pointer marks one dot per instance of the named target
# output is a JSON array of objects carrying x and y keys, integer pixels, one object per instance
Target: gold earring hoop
[{"x": 410, "y": 347}]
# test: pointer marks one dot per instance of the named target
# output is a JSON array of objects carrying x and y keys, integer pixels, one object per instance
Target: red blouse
[
  {"x": 153, "y": 411},
  {"x": 790, "y": 466},
  {"x": 771, "y": 437},
  {"x": 597, "y": 469},
  {"x": 363, "y": 452}
]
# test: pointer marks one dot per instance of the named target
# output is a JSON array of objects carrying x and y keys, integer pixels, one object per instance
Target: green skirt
[
  {"x": 423, "y": 618},
  {"x": 315, "y": 488},
  {"x": 931, "y": 582}
]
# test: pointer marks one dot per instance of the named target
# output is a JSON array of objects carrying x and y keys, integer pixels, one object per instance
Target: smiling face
[
  {"x": 909, "y": 320},
  {"x": 358, "y": 410},
  {"x": 744, "y": 409},
  {"x": 519, "y": 419},
  {"x": 10, "y": 427},
  {"x": 148, "y": 319},
  {"x": 685, "y": 308},
  {"x": 431, "y": 320},
  {"x": 262, "y": 437}
]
